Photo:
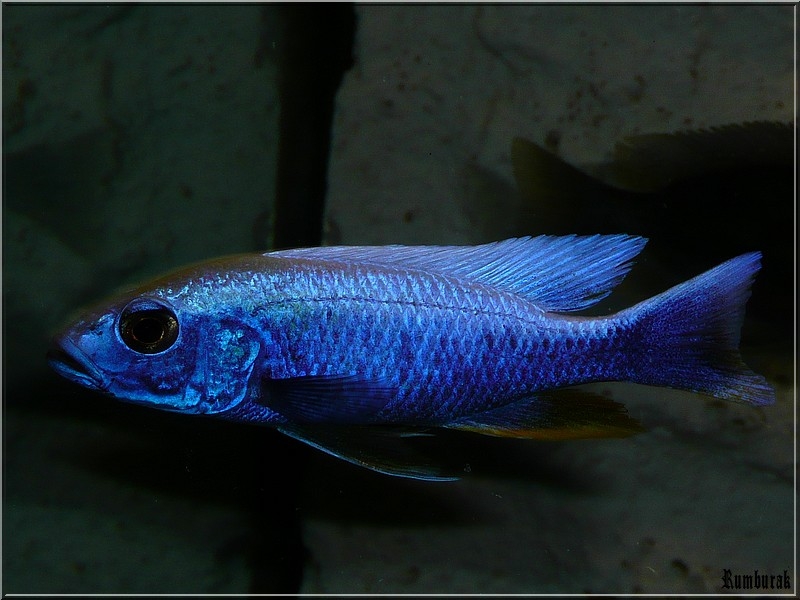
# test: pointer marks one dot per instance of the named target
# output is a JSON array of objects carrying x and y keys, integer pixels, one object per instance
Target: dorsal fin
[{"x": 557, "y": 273}]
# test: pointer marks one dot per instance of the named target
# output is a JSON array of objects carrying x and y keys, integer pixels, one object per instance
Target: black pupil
[{"x": 148, "y": 329}]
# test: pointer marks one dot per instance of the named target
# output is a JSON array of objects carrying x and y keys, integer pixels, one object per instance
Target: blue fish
[{"x": 355, "y": 350}]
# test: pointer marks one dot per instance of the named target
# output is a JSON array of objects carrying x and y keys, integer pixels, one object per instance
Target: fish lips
[{"x": 69, "y": 361}]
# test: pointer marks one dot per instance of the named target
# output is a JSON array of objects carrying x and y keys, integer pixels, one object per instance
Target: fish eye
[{"x": 148, "y": 327}]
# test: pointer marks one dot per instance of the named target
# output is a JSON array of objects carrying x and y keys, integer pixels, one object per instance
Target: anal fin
[{"x": 565, "y": 414}]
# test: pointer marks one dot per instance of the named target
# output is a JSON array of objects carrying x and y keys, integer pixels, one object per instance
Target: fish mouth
[{"x": 69, "y": 361}]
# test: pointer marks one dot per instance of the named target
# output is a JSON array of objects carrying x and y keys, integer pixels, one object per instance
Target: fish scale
[{"x": 450, "y": 330}]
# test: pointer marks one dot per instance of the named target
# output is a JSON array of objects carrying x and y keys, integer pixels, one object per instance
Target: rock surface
[{"x": 437, "y": 88}]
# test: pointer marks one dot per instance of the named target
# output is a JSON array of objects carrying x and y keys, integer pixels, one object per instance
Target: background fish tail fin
[
  {"x": 688, "y": 337},
  {"x": 559, "y": 198}
]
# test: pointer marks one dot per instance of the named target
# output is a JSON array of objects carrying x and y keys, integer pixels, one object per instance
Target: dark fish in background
[{"x": 699, "y": 196}]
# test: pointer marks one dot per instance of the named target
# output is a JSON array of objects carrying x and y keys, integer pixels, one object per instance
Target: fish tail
[{"x": 688, "y": 336}]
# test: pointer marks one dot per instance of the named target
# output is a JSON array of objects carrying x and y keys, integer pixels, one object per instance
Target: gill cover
[{"x": 224, "y": 360}]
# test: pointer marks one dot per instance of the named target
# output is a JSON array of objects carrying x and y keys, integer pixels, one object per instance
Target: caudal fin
[{"x": 688, "y": 337}]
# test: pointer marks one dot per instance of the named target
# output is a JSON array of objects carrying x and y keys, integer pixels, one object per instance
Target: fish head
[{"x": 169, "y": 352}]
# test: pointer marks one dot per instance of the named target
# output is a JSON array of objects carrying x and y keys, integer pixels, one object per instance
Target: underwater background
[{"x": 137, "y": 138}]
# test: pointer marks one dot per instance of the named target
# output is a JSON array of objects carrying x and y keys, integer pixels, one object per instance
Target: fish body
[{"x": 354, "y": 349}]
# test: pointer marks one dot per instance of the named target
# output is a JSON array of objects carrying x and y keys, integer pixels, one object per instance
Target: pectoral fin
[
  {"x": 382, "y": 448},
  {"x": 327, "y": 399},
  {"x": 559, "y": 415}
]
